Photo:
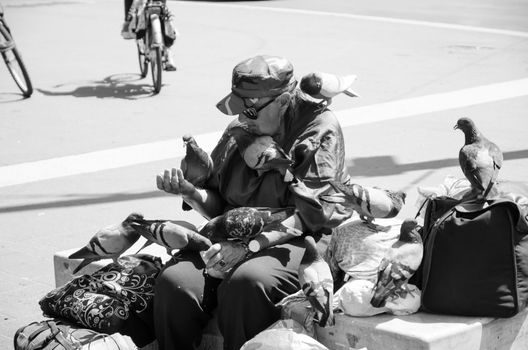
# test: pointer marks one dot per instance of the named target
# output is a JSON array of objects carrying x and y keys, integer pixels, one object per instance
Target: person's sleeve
[{"x": 319, "y": 157}]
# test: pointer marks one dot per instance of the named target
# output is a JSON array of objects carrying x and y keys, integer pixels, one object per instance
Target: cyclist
[{"x": 131, "y": 30}]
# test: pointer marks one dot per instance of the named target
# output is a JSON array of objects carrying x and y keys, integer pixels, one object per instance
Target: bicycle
[
  {"x": 150, "y": 45},
  {"x": 13, "y": 59}
]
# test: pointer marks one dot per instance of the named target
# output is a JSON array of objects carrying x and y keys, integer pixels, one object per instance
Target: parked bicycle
[
  {"x": 150, "y": 44},
  {"x": 12, "y": 58}
]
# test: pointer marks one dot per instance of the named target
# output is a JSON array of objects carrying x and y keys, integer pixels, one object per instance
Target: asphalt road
[{"x": 420, "y": 66}]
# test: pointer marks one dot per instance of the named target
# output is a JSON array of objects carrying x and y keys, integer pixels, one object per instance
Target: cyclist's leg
[
  {"x": 127, "y": 30},
  {"x": 128, "y": 4},
  {"x": 170, "y": 33}
]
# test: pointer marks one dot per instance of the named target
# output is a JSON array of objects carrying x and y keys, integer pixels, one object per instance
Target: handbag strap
[{"x": 55, "y": 334}]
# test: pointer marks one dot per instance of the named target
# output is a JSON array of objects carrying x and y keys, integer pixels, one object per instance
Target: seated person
[{"x": 244, "y": 286}]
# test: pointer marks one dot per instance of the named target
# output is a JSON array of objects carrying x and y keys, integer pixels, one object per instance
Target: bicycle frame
[
  {"x": 153, "y": 44},
  {"x": 10, "y": 44}
]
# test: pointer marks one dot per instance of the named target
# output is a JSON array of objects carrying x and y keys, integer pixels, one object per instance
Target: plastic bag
[
  {"x": 283, "y": 335},
  {"x": 355, "y": 295}
]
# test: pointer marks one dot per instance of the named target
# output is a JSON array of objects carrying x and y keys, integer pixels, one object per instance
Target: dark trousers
[{"x": 245, "y": 300}]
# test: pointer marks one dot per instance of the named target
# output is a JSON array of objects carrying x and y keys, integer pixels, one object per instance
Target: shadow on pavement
[
  {"x": 386, "y": 165},
  {"x": 8, "y": 97},
  {"x": 374, "y": 166},
  {"x": 116, "y": 197},
  {"x": 122, "y": 86}
]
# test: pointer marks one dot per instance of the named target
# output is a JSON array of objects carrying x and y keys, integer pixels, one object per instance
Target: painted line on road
[
  {"x": 440, "y": 25},
  {"x": 150, "y": 152}
]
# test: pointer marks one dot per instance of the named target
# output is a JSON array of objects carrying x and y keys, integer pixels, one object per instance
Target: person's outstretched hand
[{"x": 172, "y": 181}]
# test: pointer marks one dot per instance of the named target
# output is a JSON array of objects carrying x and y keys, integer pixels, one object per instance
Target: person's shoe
[
  {"x": 126, "y": 33},
  {"x": 170, "y": 67},
  {"x": 169, "y": 61}
]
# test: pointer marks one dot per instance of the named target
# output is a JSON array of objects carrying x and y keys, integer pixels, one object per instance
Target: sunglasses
[{"x": 252, "y": 112}]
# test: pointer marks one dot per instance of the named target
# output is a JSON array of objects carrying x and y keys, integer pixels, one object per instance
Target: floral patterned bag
[{"x": 107, "y": 299}]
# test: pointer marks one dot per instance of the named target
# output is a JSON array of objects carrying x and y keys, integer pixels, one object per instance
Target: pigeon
[
  {"x": 479, "y": 158},
  {"x": 368, "y": 202},
  {"x": 400, "y": 263},
  {"x": 317, "y": 283},
  {"x": 324, "y": 86},
  {"x": 244, "y": 223},
  {"x": 262, "y": 153},
  {"x": 197, "y": 165},
  {"x": 171, "y": 234},
  {"x": 108, "y": 243}
]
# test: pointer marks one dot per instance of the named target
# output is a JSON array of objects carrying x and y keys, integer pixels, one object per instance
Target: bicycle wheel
[
  {"x": 143, "y": 62},
  {"x": 156, "y": 52},
  {"x": 157, "y": 68},
  {"x": 15, "y": 65}
]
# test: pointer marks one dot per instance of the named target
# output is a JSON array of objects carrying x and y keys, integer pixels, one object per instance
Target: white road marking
[
  {"x": 126, "y": 156},
  {"x": 439, "y": 25}
]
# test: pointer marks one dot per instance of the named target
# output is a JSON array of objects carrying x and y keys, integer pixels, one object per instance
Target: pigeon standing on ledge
[
  {"x": 196, "y": 166},
  {"x": 108, "y": 243},
  {"x": 368, "y": 202},
  {"x": 325, "y": 86},
  {"x": 479, "y": 158},
  {"x": 401, "y": 262},
  {"x": 317, "y": 283}
]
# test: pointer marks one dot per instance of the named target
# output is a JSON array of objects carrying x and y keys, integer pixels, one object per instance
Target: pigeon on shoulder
[
  {"x": 479, "y": 158},
  {"x": 325, "y": 86}
]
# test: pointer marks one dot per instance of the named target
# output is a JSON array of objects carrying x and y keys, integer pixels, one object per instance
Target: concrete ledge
[
  {"x": 427, "y": 331},
  {"x": 381, "y": 332}
]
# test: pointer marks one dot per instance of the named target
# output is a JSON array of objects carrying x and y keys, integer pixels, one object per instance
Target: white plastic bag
[
  {"x": 355, "y": 295},
  {"x": 283, "y": 335}
]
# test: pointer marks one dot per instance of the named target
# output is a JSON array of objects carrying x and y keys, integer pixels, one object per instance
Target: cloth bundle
[{"x": 113, "y": 299}]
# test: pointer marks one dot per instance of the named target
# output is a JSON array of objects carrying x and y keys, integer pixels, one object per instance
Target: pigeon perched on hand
[
  {"x": 368, "y": 202},
  {"x": 197, "y": 165},
  {"x": 325, "y": 86},
  {"x": 108, "y": 243},
  {"x": 317, "y": 283},
  {"x": 171, "y": 234},
  {"x": 479, "y": 158},
  {"x": 244, "y": 223},
  {"x": 401, "y": 262},
  {"x": 262, "y": 153}
]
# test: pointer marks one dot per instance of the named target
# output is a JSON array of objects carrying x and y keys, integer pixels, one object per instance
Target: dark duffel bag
[
  {"x": 475, "y": 258},
  {"x": 57, "y": 335}
]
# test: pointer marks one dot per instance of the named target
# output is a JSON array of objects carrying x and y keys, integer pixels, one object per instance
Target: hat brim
[{"x": 231, "y": 105}]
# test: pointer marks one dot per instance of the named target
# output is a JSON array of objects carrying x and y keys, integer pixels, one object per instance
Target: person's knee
[
  {"x": 168, "y": 286},
  {"x": 246, "y": 282}
]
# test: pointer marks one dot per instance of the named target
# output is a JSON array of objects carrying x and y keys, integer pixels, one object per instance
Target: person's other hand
[
  {"x": 172, "y": 181},
  {"x": 223, "y": 256}
]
